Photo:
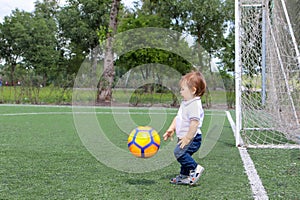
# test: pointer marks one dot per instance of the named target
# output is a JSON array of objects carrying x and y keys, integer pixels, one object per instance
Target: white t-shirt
[{"x": 189, "y": 110}]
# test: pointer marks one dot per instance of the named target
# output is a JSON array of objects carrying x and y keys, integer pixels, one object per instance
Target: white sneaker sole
[{"x": 199, "y": 170}]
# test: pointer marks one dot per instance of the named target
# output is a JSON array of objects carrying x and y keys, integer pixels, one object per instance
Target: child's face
[{"x": 186, "y": 92}]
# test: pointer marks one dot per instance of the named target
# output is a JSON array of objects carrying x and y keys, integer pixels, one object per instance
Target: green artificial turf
[{"x": 42, "y": 157}]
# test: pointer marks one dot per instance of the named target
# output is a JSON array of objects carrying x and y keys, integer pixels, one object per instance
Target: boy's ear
[{"x": 194, "y": 90}]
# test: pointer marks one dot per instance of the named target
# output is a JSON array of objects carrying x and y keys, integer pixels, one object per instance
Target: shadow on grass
[{"x": 168, "y": 177}]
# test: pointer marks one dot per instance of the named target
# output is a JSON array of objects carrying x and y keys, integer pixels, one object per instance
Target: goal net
[{"x": 267, "y": 75}]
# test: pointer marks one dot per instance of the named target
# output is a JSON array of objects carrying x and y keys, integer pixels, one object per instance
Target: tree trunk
[
  {"x": 12, "y": 73},
  {"x": 107, "y": 78}
]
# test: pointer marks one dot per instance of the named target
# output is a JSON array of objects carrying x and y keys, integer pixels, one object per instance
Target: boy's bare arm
[{"x": 171, "y": 130}]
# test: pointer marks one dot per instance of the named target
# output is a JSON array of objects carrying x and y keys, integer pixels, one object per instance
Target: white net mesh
[{"x": 270, "y": 64}]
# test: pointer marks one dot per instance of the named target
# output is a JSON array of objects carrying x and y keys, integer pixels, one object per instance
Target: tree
[
  {"x": 29, "y": 47},
  {"x": 207, "y": 21},
  {"x": 79, "y": 22},
  {"x": 226, "y": 67},
  {"x": 42, "y": 53},
  {"x": 153, "y": 13},
  {"x": 107, "y": 79},
  {"x": 29, "y": 39},
  {"x": 14, "y": 39}
]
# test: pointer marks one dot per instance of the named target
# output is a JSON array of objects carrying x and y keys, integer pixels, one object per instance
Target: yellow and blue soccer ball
[{"x": 143, "y": 142}]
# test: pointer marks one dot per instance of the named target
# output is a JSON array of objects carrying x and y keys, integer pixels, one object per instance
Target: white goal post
[{"x": 267, "y": 75}]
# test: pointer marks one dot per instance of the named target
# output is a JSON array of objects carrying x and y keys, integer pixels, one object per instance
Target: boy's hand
[
  {"x": 169, "y": 134},
  {"x": 190, "y": 134},
  {"x": 184, "y": 141}
]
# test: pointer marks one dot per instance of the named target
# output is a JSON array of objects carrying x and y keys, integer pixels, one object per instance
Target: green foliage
[
  {"x": 79, "y": 23},
  {"x": 35, "y": 94},
  {"x": 41, "y": 54},
  {"x": 207, "y": 21},
  {"x": 252, "y": 99},
  {"x": 227, "y": 53},
  {"x": 101, "y": 35},
  {"x": 14, "y": 39},
  {"x": 229, "y": 85},
  {"x": 80, "y": 20},
  {"x": 61, "y": 93},
  {"x": 52, "y": 42},
  {"x": 133, "y": 21},
  {"x": 28, "y": 41},
  {"x": 148, "y": 55}
]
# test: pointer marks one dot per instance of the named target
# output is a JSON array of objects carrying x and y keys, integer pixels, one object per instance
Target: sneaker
[
  {"x": 195, "y": 174},
  {"x": 180, "y": 180}
]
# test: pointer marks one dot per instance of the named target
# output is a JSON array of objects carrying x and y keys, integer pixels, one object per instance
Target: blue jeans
[{"x": 184, "y": 156}]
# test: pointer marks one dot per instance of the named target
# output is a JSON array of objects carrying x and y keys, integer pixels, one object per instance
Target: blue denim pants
[{"x": 184, "y": 156}]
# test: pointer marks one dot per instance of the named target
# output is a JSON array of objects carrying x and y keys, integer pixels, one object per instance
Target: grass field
[{"x": 42, "y": 157}]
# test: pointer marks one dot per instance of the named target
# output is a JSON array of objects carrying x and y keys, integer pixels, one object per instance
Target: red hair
[{"x": 195, "y": 80}]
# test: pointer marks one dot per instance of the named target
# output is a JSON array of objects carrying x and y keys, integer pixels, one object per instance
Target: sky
[{"x": 6, "y": 6}]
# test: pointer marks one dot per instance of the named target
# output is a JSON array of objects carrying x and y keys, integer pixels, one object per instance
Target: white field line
[
  {"x": 104, "y": 113},
  {"x": 151, "y": 110},
  {"x": 85, "y": 113},
  {"x": 258, "y": 190}
]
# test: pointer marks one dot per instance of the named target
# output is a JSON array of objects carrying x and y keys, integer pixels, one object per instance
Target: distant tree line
[{"x": 46, "y": 47}]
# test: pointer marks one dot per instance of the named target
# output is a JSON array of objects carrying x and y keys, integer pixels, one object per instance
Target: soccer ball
[{"x": 143, "y": 142}]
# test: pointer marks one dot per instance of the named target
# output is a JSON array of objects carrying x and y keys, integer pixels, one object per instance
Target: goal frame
[{"x": 238, "y": 69}]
